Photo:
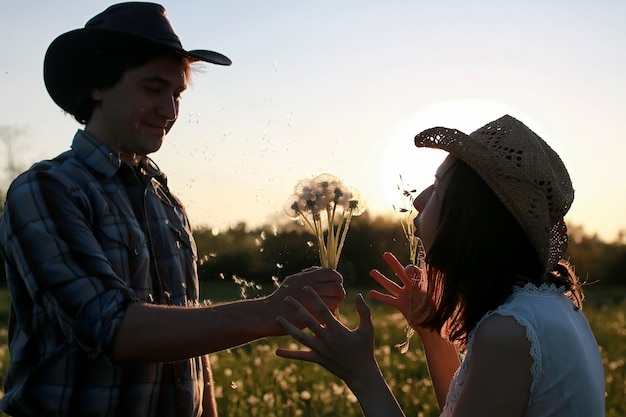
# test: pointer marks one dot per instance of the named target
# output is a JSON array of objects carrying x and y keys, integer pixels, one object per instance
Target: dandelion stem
[{"x": 345, "y": 232}]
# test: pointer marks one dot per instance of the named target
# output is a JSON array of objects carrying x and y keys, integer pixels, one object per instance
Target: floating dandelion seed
[{"x": 276, "y": 281}]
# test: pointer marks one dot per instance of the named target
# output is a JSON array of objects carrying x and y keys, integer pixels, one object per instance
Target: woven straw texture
[{"x": 524, "y": 172}]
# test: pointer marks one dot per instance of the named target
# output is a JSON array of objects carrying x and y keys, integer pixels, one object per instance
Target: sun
[{"x": 399, "y": 163}]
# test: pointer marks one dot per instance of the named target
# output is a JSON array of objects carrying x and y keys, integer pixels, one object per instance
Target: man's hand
[{"x": 326, "y": 283}]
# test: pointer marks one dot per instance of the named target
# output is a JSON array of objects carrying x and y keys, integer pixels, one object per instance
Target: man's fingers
[
  {"x": 322, "y": 275},
  {"x": 329, "y": 290}
]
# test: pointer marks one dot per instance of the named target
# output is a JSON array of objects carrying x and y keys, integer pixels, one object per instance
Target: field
[{"x": 252, "y": 381}]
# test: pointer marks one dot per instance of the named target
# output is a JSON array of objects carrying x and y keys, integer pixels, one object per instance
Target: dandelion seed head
[
  {"x": 292, "y": 208},
  {"x": 325, "y": 204},
  {"x": 337, "y": 194},
  {"x": 311, "y": 206}
]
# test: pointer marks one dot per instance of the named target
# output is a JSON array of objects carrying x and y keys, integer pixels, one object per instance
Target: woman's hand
[
  {"x": 409, "y": 297},
  {"x": 348, "y": 354}
]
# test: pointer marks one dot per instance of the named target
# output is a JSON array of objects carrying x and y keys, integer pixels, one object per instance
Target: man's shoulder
[{"x": 65, "y": 169}]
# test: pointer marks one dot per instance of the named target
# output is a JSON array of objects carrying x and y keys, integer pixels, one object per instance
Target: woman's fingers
[
  {"x": 384, "y": 298},
  {"x": 386, "y": 283},
  {"x": 397, "y": 267},
  {"x": 365, "y": 315}
]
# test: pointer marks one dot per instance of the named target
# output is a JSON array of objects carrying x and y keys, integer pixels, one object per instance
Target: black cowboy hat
[{"x": 122, "y": 23}]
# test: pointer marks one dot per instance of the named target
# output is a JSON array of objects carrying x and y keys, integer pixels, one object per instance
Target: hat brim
[
  {"x": 523, "y": 171},
  {"x": 67, "y": 53}
]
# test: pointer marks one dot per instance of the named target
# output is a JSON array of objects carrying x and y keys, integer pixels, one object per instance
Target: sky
[{"x": 342, "y": 87}]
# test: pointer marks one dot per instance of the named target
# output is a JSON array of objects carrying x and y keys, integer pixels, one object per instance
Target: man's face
[{"x": 134, "y": 115}]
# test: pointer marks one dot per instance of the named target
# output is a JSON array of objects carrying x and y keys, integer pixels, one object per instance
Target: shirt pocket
[
  {"x": 181, "y": 241},
  {"x": 125, "y": 246}
]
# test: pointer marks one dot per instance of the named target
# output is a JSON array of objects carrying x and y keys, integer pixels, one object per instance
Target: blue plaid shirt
[{"x": 84, "y": 235}]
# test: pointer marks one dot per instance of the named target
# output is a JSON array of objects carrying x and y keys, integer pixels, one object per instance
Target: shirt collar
[{"x": 103, "y": 160}]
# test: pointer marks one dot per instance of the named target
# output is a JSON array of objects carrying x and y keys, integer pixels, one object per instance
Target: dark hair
[
  {"x": 104, "y": 67},
  {"x": 480, "y": 252}
]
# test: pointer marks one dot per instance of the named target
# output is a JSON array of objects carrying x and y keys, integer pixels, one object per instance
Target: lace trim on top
[
  {"x": 456, "y": 385},
  {"x": 543, "y": 289}
]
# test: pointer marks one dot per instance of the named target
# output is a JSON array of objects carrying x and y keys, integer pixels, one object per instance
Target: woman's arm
[
  {"x": 443, "y": 361},
  {"x": 349, "y": 354},
  {"x": 409, "y": 297}
]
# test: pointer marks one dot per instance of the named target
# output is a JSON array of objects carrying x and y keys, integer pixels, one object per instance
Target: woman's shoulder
[
  {"x": 502, "y": 333},
  {"x": 500, "y": 329}
]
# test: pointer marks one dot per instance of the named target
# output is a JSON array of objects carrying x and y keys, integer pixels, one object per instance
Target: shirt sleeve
[{"x": 49, "y": 240}]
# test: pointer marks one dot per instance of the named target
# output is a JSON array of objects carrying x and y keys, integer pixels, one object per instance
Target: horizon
[{"x": 343, "y": 88}]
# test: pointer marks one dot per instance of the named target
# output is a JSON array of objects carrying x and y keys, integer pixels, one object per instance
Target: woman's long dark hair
[{"x": 479, "y": 254}]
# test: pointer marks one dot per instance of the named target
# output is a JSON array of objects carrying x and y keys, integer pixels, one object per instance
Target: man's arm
[{"x": 160, "y": 333}]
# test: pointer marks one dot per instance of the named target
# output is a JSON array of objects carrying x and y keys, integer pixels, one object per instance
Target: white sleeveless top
[{"x": 567, "y": 372}]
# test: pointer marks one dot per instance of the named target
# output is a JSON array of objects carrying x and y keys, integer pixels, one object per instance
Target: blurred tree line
[{"x": 268, "y": 254}]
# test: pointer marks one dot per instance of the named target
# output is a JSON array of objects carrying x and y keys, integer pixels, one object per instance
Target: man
[{"x": 100, "y": 258}]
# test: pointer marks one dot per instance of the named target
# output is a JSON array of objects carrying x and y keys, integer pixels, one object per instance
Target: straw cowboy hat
[
  {"x": 133, "y": 22},
  {"x": 522, "y": 170}
]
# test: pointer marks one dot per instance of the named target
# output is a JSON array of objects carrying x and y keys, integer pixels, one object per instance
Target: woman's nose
[{"x": 423, "y": 197}]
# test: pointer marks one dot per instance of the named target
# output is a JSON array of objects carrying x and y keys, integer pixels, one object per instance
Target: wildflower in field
[
  {"x": 406, "y": 210},
  {"x": 326, "y": 206},
  {"x": 416, "y": 249}
]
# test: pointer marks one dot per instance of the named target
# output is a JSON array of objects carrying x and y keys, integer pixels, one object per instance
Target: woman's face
[{"x": 428, "y": 204}]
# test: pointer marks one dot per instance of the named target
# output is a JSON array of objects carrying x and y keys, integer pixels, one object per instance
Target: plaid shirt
[{"x": 84, "y": 235}]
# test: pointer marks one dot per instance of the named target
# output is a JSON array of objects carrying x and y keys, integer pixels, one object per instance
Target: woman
[{"x": 493, "y": 286}]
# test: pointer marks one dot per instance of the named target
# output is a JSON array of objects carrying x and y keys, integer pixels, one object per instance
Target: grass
[{"x": 252, "y": 381}]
